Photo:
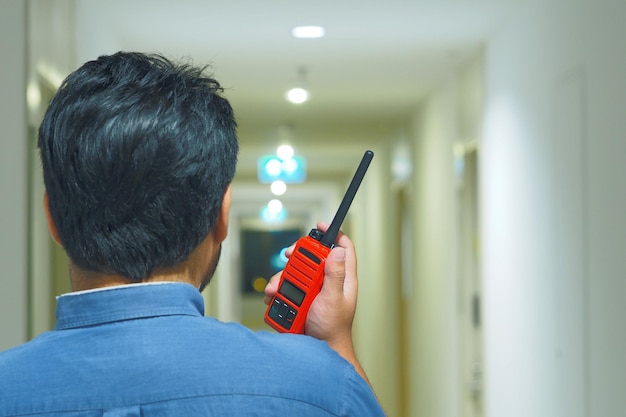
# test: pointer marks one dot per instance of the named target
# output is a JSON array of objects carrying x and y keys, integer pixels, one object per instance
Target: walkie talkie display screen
[{"x": 291, "y": 292}]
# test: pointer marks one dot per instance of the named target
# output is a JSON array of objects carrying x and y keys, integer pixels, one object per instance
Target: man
[{"x": 138, "y": 155}]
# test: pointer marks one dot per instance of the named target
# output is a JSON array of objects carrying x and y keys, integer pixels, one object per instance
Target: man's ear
[
  {"x": 221, "y": 224},
  {"x": 51, "y": 226}
]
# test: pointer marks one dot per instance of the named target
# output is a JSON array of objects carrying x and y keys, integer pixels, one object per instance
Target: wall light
[
  {"x": 299, "y": 94},
  {"x": 33, "y": 96}
]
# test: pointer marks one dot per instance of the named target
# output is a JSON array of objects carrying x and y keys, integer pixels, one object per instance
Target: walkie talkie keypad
[{"x": 282, "y": 313}]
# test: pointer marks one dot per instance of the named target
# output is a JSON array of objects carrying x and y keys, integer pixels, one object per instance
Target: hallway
[{"x": 489, "y": 228}]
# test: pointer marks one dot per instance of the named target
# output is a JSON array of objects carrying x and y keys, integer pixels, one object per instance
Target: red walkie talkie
[{"x": 303, "y": 275}]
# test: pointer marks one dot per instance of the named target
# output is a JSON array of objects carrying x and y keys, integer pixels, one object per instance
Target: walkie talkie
[{"x": 303, "y": 275}]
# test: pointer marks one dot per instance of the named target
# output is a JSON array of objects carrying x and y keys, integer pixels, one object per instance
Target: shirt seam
[
  {"x": 241, "y": 394},
  {"x": 348, "y": 387},
  {"x": 176, "y": 398},
  {"x": 113, "y": 317}
]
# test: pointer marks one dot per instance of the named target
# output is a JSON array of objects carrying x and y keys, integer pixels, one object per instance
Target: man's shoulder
[
  {"x": 24, "y": 350},
  {"x": 203, "y": 357},
  {"x": 21, "y": 363},
  {"x": 285, "y": 350},
  {"x": 305, "y": 349}
]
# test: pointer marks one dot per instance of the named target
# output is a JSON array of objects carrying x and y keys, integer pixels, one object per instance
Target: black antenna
[{"x": 329, "y": 237}]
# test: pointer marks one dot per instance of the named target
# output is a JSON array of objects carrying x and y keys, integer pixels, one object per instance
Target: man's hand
[{"x": 332, "y": 312}]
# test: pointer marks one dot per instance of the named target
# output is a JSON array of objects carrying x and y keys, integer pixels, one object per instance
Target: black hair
[{"x": 137, "y": 152}]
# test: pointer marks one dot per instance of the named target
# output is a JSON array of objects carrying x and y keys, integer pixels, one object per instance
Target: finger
[
  {"x": 335, "y": 269},
  {"x": 289, "y": 250},
  {"x": 350, "y": 284},
  {"x": 323, "y": 226},
  {"x": 272, "y": 287}
]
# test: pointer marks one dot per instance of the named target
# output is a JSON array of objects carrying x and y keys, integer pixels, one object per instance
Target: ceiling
[{"x": 367, "y": 74}]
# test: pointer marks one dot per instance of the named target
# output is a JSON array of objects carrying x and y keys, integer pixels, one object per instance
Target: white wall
[
  {"x": 448, "y": 117},
  {"x": 13, "y": 174},
  {"x": 553, "y": 206},
  {"x": 432, "y": 308},
  {"x": 376, "y": 322}
]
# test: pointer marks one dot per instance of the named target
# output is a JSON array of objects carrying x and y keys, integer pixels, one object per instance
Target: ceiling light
[
  {"x": 273, "y": 212},
  {"x": 278, "y": 187},
  {"x": 308, "y": 32},
  {"x": 285, "y": 152},
  {"x": 275, "y": 206},
  {"x": 297, "y": 95}
]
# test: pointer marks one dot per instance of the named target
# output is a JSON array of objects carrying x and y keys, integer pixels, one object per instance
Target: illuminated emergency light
[{"x": 271, "y": 168}]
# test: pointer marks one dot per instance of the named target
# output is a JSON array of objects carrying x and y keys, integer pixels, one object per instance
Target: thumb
[{"x": 335, "y": 269}]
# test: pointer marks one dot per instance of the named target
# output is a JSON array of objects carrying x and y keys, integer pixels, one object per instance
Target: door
[{"x": 470, "y": 286}]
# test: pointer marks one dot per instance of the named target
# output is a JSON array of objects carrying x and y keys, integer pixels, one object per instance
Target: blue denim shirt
[{"x": 147, "y": 350}]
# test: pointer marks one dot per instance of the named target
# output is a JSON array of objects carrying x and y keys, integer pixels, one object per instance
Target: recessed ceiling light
[
  {"x": 309, "y": 32},
  {"x": 285, "y": 152},
  {"x": 278, "y": 187},
  {"x": 297, "y": 95},
  {"x": 275, "y": 206}
]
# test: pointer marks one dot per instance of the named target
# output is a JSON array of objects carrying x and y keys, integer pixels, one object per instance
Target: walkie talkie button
[
  {"x": 316, "y": 234},
  {"x": 309, "y": 255},
  {"x": 291, "y": 315},
  {"x": 273, "y": 313},
  {"x": 287, "y": 324},
  {"x": 283, "y": 311}
]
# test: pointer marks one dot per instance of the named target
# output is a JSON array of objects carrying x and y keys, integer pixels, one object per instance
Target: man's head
[{"x": 137, "y": 155}]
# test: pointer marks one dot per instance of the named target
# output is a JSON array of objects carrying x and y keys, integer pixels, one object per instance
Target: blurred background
[{"x": 489, "y": 228}]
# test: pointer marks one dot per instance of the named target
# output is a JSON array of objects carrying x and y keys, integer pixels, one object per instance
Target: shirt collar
[
  {"x": 114, "y": 287},
  {"x": 126, "y": 302}
]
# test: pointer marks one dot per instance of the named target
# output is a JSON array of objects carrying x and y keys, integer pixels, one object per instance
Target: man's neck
[{"x": 82, "y": 280}]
